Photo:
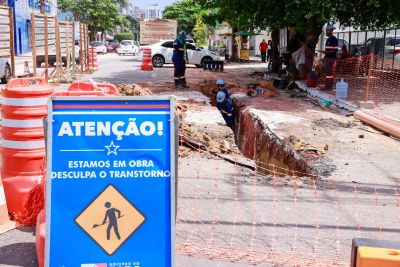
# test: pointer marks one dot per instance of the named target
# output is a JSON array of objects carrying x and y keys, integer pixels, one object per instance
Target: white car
[
  {"x": 161, "y": 53},
  {"x": 99, "y": 46},
  {"x": 127, "y": 47},
  {"x": 5, "y": 70}
]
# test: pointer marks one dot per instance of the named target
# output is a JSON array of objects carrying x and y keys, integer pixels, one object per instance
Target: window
[
  {"x": 169, "y": 44},
  {"x": 190, "y": 47},
  {"x": 126, "y": 43}
]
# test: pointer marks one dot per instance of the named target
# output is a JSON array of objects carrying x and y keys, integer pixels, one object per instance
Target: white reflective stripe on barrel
[
  {"x": 25, "y": 102},
  {"x": 22, "y": 144},
  {"x": 21, "y": 123}
]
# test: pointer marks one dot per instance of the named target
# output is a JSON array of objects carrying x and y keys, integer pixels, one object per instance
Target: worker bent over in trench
[
  {"x": 111, "y": 215},
  {"x": 224, "y": 105}
]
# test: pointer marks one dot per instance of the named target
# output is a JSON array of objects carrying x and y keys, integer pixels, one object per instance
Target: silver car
[{"x": 5, "y": 70}]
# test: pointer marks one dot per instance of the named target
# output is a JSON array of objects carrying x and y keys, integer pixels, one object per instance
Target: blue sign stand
[{"x": 110, "y": 195}]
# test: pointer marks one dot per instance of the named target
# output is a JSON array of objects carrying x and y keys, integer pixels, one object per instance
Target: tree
[
  {"x": 99, "y": 15},
  {"x": 134, "y": 26},
  {"x": 186, "y": 12},
  {"x": 307, "y": 17},
  {"x": 200, "y": 31}
]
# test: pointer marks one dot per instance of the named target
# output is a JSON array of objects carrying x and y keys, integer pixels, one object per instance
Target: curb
[{"x": 340, "y": 103}]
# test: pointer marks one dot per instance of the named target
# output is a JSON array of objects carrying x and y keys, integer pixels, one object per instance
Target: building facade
[
  {"x": 153, "y": 12},
  {"x": 22, "y": 21}
]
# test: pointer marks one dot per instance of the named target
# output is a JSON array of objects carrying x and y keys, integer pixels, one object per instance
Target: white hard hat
[
  {"x": 220, "y": 97},
  {"x": 220, "y": 82}
]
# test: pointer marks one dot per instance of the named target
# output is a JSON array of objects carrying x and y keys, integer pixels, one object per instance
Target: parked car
[
  {"x": 5, "y": 70},
  {"x": 100, "y": 48},
  {"x": 388, "y": 47},
  {"x": 161, "y": 53},
  {"x": 52, "y": 59},
  {"x": 128, "y": 47},
  {"x": 112, "y": 46}
]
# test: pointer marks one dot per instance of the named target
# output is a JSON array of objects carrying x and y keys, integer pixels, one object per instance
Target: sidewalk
[{"x": 20, "y": 63}]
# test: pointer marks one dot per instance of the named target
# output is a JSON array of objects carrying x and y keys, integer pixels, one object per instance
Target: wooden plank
[
  {"x": 5, "y": 20},
  {"x": 44, "y": 42},
  {"x": 5, "y": 37},
  {"x": 4, "y": 11},
  {"x": 34, "y": 49},
  {"x": 42, "y": 31},
  {"x": 46, "y": 48},
  {"x": 12, "y": 48},
  {"x": 5, "y": 28},
  {"x": 5, "y": 44}
]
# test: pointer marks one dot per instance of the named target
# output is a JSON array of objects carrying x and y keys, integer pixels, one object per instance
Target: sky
[{"x": 145, "y": 3}]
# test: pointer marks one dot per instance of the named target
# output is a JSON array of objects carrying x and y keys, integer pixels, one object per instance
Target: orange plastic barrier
[
  {"x": 24, "y": 105},
  {"x": 40, "y": 237},
  {"x": 147, "y": 63},
  {"x": 92, "y": 59},
  {"x": 87, "y": 86},
  {"x": 5, "y": 223}
]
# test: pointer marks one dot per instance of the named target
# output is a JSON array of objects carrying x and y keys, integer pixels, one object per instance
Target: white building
[{"x": 153, "y": 12}]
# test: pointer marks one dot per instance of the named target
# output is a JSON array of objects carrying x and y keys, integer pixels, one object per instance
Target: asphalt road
[{"x": 126, "y": 69}]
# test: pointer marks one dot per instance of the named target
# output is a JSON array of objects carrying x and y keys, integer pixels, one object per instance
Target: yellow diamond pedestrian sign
[{"x": 110, "y": 219}]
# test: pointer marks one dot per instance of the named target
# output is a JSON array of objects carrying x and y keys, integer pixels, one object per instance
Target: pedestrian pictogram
[{"x": 110, "y": 219}]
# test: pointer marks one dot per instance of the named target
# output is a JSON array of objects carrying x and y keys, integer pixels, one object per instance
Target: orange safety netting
[
  {"x": 369, "y": 77},
  {"x": 232, "y": 213}
]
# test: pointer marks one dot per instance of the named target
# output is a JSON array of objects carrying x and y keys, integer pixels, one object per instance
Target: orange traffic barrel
[
  {"x": 92, "y": 59},
  {"x": 107, "y": 88},
  {"x": 147, "y": 63},
  {"x": 22, "y": 164},
  {"x": 40, "y": 237}
]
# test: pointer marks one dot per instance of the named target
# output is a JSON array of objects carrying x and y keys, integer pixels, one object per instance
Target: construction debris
[
  {"x": 308, "y": 151},
  {"x": 133, "y": 90}
]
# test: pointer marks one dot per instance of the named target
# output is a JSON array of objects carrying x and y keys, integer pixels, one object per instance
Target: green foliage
[
  {"x": 186, "y": 12},
  {"x": 123, "y": 36},
  {"x": 134, "y": 26},
  {"x": 200, "y": 31},
  {"x": 303, "y": 14},
  {"x": 100, "y": 15}
]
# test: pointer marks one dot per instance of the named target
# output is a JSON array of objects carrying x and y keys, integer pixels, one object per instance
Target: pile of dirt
[
  {"x": 217, "y": 140},
  {"x": 307, "y": 151},
  {"x": 332, "y": 123},
  {"x": 133, "y": 90},
  {"x": 269, "y": 88}
]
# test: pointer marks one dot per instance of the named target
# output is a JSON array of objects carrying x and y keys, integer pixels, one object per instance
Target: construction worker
[
  {"x": 263, "y": 49},
  {"x": 224, "y": 105},
  {"x": 111, "y": 218},
  {"x": 221, "y": 87},
  {"x": 331, "y": 49},
  {"x": 179, "y": 58}
]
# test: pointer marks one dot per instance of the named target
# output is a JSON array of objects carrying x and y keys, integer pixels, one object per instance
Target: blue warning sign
[{"x": 110, "y": 198}]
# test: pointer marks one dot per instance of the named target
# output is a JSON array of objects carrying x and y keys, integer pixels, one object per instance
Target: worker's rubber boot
[
  {"x": 178, "y": 84},
  {"x": 183, "y": 83}
]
